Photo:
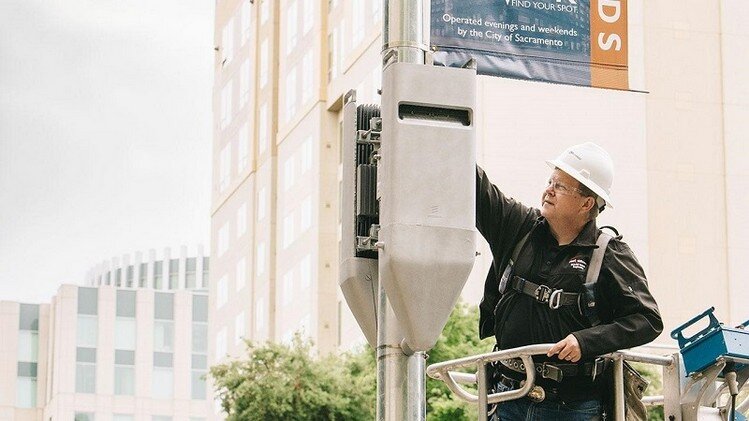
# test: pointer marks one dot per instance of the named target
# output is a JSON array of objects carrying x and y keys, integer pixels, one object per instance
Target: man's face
[{"x": 561, "y": 200}]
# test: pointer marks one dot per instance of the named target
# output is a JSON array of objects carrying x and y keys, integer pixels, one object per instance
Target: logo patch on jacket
[{"x": 578, "y": 263}]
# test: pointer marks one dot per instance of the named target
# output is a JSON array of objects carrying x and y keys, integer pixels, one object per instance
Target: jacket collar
[{"x": 586, "y": 238}]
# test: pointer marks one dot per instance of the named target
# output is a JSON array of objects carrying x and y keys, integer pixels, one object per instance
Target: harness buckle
[
  {"x": 542, "y": 293},
  {"x": 555, "y": 300}
]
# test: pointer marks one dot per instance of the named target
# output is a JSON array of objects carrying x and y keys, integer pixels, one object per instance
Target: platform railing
[{"x": 446, "y": 371}]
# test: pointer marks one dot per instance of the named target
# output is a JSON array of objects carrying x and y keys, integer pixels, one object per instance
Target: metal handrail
[{"x": 445, "y": 371}]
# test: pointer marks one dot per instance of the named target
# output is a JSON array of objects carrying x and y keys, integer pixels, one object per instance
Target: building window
[
  {"x": 307, "y": 71},
  {"x": 305, "y": 271},
  {"x": 288, "y": 230},
  {"x": 205, "y": 272},
  {"x": 124, "y": 372},
  {"x": 85, "y": 370},
  {"x": 239, "y": 328},
  {"x": 84, "y": 416},
  {"x": 200, "y": 338},
  {"x": 221, "y": 344},
  {"x": 226, "y": 102},
  {"x": 241, "y": 273},
  {"x": 261, "y": 204},
  {"x": 129, "y": 277},
  {"x": 158, "y": 275},
  {"x": 260, "y": 259},
  {"x": 199, "y": 369},
  {"x": 242, "y": 220},
  {"x": 87, "y": 331},
  {"x": 309, "y": 15},
  {"x": 306, "y": 211},
  {"x": 288, "y": 287},
  {"x": 306, "y": 155},
  {"x": 222, "y": 292},
  {"x": 199, "y": 363},
  {"x": 264, "y": 11},
  {"x": 173, "y": 273},
  {"x": 28, "y": 355},
  {"x": 291, "y": 94},
  {"x": 357, "y": 23},
  {"x": 88, "y": 300},
  {"x": 163, "y": 336},
  {"x": 28, "y": 345},
  {"x": 162, "y": 384},
  {"x": 200, "y": 308},
  {"x": 288, "y": 173},
  {"x": 224, "y": 167},
  {"x": 190, "y": 273},
  {"x": 227, "y": 42},
  {"x": 163, "y": 307},
  {"x": 332, "y": 49},
  {"x": 263, "y": 129},
  {"x": 26, "y": 392},
  {"x": 143, "y": 275},
  {"x": 223, "y": 239},
  {"x": 86, "y": 340},
  {"x": 259, "y": 315},
  {"x": 264, "y": 63},
  {"x": 291, "y": 27},
  {"x": 246, "y": 21},
  {"x": 126, "y": 333},
  {"x": 244, "y": 141},
  {"x": 244, "y": 83},
  {"x": 198, "y": 387}
]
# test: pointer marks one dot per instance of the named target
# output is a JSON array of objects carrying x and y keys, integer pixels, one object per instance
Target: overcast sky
[{"x": 105, "y": 135}]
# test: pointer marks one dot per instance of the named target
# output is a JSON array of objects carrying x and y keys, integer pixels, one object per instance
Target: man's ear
[{"x": 589, "y": 203}]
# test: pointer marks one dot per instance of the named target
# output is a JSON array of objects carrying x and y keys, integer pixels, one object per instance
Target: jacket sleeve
[
  {"x": 502, "y": 221},
  {"x": 629, "y": 313}
]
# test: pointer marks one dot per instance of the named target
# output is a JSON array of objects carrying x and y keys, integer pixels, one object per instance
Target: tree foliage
[{"x": 291, "y": 382}]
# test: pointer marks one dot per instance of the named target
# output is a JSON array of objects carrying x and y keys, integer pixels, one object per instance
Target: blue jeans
[{"x": 525, "y": 410}]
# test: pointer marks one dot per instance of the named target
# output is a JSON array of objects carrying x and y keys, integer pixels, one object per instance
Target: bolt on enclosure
[{"x": 427, "y": 186}]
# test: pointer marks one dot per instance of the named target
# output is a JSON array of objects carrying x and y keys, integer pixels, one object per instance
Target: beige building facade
[
  {"x": 282, "y": 68},
  {"x": 131, "y": 346}
]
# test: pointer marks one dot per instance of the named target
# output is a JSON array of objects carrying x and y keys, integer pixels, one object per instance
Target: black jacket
[{"x": 628, "y": 312}]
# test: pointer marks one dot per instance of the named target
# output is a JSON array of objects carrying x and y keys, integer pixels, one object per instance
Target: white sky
[{"x": 105, "y": 135}]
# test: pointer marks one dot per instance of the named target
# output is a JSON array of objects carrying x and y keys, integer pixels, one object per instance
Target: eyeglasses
[{"x": 560, "y": 188}]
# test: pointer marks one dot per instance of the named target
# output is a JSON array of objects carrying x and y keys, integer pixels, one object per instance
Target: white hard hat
[{"x": 592, "y": 166}]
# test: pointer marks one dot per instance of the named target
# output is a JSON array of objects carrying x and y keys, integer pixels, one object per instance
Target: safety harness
[{"x": 585, "y": 302}]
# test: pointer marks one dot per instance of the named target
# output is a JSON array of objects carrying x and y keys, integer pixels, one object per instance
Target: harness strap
[
  {"x": 594, "y": 269},
  {"x": 555, "y": 298}
]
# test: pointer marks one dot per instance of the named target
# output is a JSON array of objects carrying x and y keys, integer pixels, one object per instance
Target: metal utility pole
[
  {"x": 401, "y": 374},
  {"x": 408, "y": 206}
]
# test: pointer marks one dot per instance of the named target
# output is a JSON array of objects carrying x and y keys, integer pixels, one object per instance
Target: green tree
[{"x": 290, "y": 382}]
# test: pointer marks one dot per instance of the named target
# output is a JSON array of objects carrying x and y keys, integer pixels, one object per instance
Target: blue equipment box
[{"x": 711, "y": 343}]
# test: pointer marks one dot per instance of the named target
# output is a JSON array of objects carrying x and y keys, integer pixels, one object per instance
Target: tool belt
[
  {"x": 555, "y": 298},
  {"x": 558, "y": 371}
]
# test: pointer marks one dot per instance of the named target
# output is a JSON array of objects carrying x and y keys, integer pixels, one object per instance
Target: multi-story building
[
  {"x": 283, "y": 66},
  {"x": 129, "y": 347}
]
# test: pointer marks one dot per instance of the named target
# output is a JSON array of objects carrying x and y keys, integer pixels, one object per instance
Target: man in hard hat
[{"x": 541, "y": 256}]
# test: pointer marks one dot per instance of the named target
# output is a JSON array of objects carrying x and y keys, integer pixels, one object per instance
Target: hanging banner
[{"x": 576, "y": 42}]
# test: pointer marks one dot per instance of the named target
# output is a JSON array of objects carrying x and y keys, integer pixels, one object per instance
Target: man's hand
[{"x": 568, "y": 349}]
